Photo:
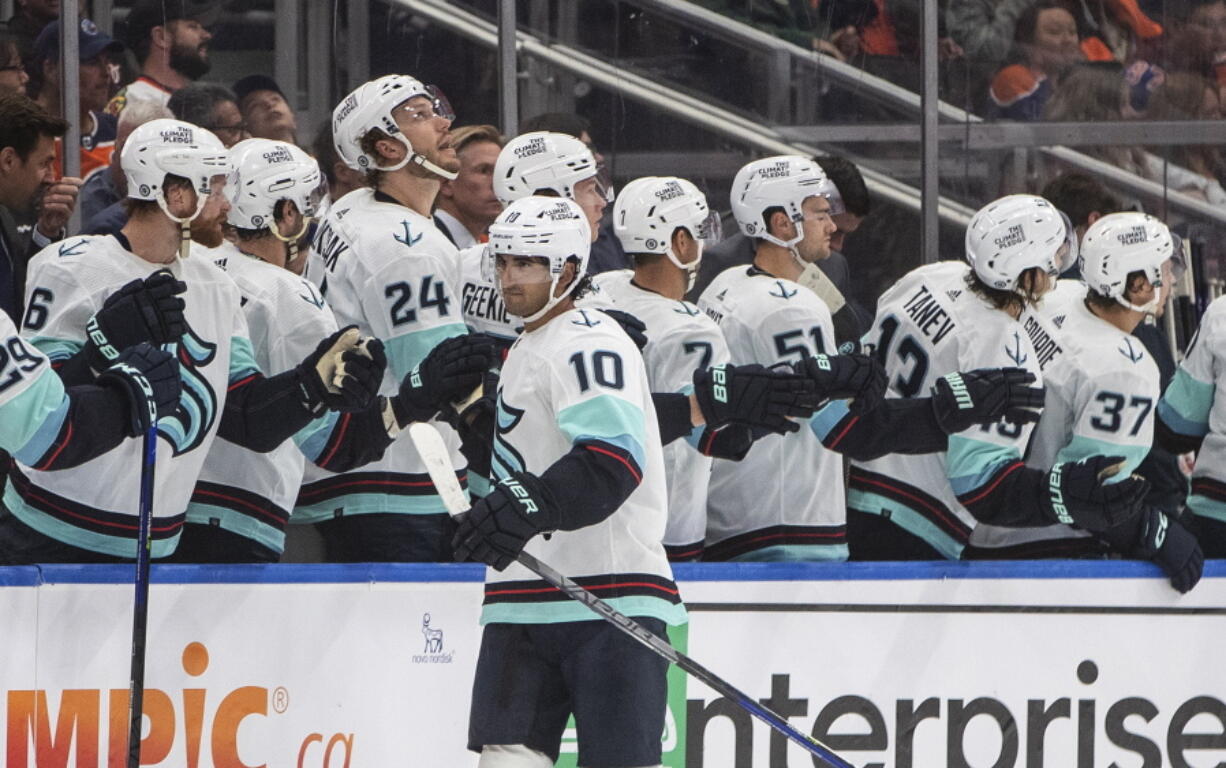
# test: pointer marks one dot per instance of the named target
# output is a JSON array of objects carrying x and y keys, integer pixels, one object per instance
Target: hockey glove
[
  {"x": 334, "y": 378},
  {"x": 149, "y": 379},
  {"x": 985, "y": 396},
  {"x": 143, "y": 310},
  {"x": 1077, "y": 493},
  {"x": 859, "y": 378},
  {"x": 451, "y": 371},
  {"x": 635, "y": 328},
  {"x": 498, "y": 527},
  {"x": 754, "y": 396},
  {"x": 1165, "y": 541}
]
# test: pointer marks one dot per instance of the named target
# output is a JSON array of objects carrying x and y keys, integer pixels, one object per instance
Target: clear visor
[
  {"x": 711, "y": 230},
  {"x": 604, "y": 182},
  {"x": 316, "y": 196},
  {"x": 837, "y": 205},
  {"x": 1178, "y": 263},
  {"x": 1066, "y": 253},
  {"x": 506, "y": 270},
  {"x": 442, "y": 106}
]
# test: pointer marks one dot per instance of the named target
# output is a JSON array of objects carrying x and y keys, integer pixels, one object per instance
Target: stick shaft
[{"x": 140, "y": 606}]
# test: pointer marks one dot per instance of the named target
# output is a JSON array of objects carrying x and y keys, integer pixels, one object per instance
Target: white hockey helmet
[
  {"x": 651, "y": 208},
  {"x": 266, "y": 172},
  {"x": 161, "y": 147},
  {"x": 372, "y": 105},
  {"x": 1120, "y": 244},
  {"x": 1015, "y": 233},
  {"x": 783, "y": 181},
  {"x": 542, "y": 160},
  {"x": 546, "y": 227}
]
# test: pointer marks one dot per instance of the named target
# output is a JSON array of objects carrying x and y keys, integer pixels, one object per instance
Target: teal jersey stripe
[
  {"x": 243, "y": 525},
  {"x": 907, "y": 519},
  {"x": 478, "y": 487},
  {"x": 971, "y": 464},
  {"x": 609, "y": 419},
  {"x": 118, "y": 546},
  {"x": 826, "y": 418},
  {"x": 1082, "y": 447},
  {"x": 57, "y": 349},
  {"x": 369, "y": 503},
  {"x": 1185, "y": 405},
  {"x": 242, "y": 358},
  {"x": 795, "y": 553},
  {"x": 313, "y": 438},
  {"x": 405, "y": 352},
  {"x": 1206, "y": 507},
  {"x": 557, "y": 612},
  {"x": 30, "y": 421}
]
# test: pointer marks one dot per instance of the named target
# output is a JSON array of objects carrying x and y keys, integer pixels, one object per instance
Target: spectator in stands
[
  {"x": 27, "y": 157},
  {"x": 341, "y": 178},
  {"x": 96, "y": 52},
  {"x": 607, "y": 253},
  {"x": 171, "y": 41},
  {"x": 1045, "y": 46},
  {"x": 267, "y": 114},
  {"x": 210, "y": 106},
  {"x": 1193, "y": 169},
  {"x": 883, "y": 28},
  {"x": 1083, "y": 199},
  {"x": 13, "y": 77},
  {"x": 102, "y": 196},
  {"x": 1197, "y": 40},
  {"x": 466, "y": 206},
  {"x": 985, "y": 29},
  {"x": 1096, "y": 92},
  {"x": 28, "y": 19},
  {"x": 1117, "y": 30}
]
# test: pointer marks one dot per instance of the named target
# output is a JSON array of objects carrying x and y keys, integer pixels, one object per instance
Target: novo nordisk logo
[
  {"x": 1014, "y": 236},
  {"x": 433, "y": 652}
]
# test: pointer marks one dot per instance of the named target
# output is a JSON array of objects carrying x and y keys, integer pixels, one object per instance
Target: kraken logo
[{"x": 186, "y": 428}]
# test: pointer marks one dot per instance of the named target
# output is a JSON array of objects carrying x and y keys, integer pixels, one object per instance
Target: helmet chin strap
[
  {"x": 553, "y": 300},
  {"x": 789, "y": 245},
  {"x": 1148, "y": 308},
  {"x": 418, "y": 159},
  {"x": 290, "y": 240},
  {"x": 185, "y": 223},
  {"x": 690, "y": 269}
]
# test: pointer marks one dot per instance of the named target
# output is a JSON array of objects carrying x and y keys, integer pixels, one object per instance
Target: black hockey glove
[
  {"x": 754, "y": 396},
  {"x": 635, "y": 328},
  {"x": 985, "y": 396},
  {"x": 498, "y": 527},
  {"x": 143, "y": 310},
  {"x": 1165, "y": 541},
  {"x": 859, "y": 378},
  {"x": 450, "y": 373},
  {"x": 149, "y": 379},
  {"x": 1077, "y": 493},
  {"x": 342, "y": 374}
]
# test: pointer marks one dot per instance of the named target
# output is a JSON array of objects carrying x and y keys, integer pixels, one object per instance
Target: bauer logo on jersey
[
  {"x": 187, "y": 427},
  {"x": 1132, "y": 236},
  {"x": 183, "y": 135},
  {"x": 1015, "y": 236},
  {"x": 534, "y": 147}
]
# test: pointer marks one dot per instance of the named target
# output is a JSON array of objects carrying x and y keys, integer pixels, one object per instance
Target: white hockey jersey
[
  {"x": 580, "y": 379},
  {"x": 245, "y": 492},
  {"x": 681, "y": 339},
  {"x": 94, "y": 506},
  {"x": 1101, "y": 393},
  {"x": 1194, "y": 404},
  {"x": 930, "y": 324},
  {"x": 388, "y": 270},
  {"x": 33, "y": 405},
  {"x": 481, "y": 302},
  {"x": 785, "y": 500}
]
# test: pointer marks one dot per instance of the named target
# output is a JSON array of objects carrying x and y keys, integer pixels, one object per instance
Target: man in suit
[{"x": 466, "y": 205}]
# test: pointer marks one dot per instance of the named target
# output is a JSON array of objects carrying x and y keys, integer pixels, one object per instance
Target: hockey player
[
  {"x": 383, "y": 266},
  {"x": 1101, "y": 392},
  {"x": 944, "y": 317},
  {"x": 577, "y": 457},
  {"x": 174, "y": 170}
]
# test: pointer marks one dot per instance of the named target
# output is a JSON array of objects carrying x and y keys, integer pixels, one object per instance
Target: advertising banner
[{"x": 989, "y": 665}]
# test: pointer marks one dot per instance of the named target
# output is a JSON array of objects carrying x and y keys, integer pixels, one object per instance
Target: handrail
[
  {"x": 876, "y": 87},
  {"x": 669, "y": 100}
]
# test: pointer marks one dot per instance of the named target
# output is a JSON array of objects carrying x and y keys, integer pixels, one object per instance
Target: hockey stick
[
  {"x": 433, "y": 451},
  {"x": 140, "y": 607}
]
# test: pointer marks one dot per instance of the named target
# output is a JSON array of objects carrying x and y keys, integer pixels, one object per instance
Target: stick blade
[{"x": 434, "y": 454}]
